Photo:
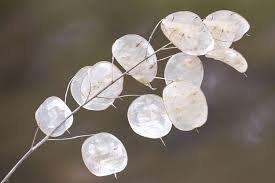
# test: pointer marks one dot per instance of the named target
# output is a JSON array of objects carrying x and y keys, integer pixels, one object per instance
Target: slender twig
[
  {"x": 165, "y": 58},
  {"x": 162, "y": 141},
  {"x": 46, "y": 138},
  {"x": 67, "y": 90},
  {"x": 170, "y": 48},
  {"x": 162, "y": 78},
  {"x": 154, "y": 30},
  {"x": 71, "y": 138},
  {"x": 121, "y": 96},
  {"x": 34, "y": 137}
]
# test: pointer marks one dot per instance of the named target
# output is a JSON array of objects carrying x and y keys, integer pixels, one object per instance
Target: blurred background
[{"x": 44, "y": 43}]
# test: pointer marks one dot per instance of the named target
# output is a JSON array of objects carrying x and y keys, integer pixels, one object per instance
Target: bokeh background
[{"x": 42, "y": 45}]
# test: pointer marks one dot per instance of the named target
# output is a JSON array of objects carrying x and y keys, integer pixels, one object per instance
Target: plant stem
[{"x": 46, "y": 138}]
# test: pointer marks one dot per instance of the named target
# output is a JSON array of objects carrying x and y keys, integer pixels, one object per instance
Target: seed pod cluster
[{"x": 182, "y": 104}]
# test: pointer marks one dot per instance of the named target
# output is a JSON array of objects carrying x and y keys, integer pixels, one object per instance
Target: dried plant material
[
  {"x": 147, "y": 117},
  {"x": 187, "y": 32},
  {"x": 50, "y": 114},
  {"x": 183, "y": 67},
  {"x": 230, "y": 57},
  {"x": 131, "y": 49},
  {"x": 104, "y": 154},
  {"x": 91, "y": 79},
  {"x": 226, "y": 27},
  {"x": 185, "y": 104}
]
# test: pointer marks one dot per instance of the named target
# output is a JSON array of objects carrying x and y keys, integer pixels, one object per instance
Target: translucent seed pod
[
  {"x": 147, "y": 117},
  {"x": 131, "y": 49},
  {"x": 185, "y": 104},
  {"x": 91, "y": 79},
  {"x": 230, "y": 57},
  {"x": 104, "y": 154},
  {"x": 188, "y": 33},
  {"x": 183, "y": 67},
  {"x": 226, "y": 27},
  {"x": 50, "y": 114}
]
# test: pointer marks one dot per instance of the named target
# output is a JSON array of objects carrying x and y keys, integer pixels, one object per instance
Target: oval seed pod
[
  {"x": 183, "y": 67},
  {"x": 91, "y": 79},
  {"x": 185, "y": 104},
  {"x": 147, "y": 117},
  {"x": 187, "y": 32},
  {"x": 104, "y": 154},
  {"x": 226, "y": 27},
  {"x": 230, "y": 57},
  {"x": 50, "y": 114},
  {"x": 131, "y": 49}
]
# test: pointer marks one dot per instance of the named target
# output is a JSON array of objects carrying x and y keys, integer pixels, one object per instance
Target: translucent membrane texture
[
  {"x": 187, "y": 32},
  {"x": 50, "y": 114},
  {"x": 183, "y": 67},
  {"x": 147, "y": 117},
  {"x": 185, "y": 104},
  {"x": 104, "y": 154},
  {"x": 226, "y": 27},
  {"x": 91, "y": 79},
  {"x": 131, "y": 49},
  {"x": 230, "y": 57}
]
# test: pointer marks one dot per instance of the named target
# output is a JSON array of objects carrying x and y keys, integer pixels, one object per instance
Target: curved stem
[
  {"x": 67, "y": 90},
  {"x": 46, "y": 138}
]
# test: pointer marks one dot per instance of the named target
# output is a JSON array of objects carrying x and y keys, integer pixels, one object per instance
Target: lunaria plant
[{"x": 182, "y": 104}]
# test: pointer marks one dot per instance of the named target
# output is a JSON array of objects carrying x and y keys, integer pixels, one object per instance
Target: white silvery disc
[
  {"x": 185, "y": 104},
  {"x": 50, "y": 114},
  {"x": 226, "y": 27},
  {"x": 183, "y": 67},
  {"x": 104, "y": 154},
  {"x": 148, "y": 117},
  {"x": 230, "y": 57},
  {"x": 92, "y": 79},
  {"x": 187, "y": 32},
  {"x": 131, "y": 49}
]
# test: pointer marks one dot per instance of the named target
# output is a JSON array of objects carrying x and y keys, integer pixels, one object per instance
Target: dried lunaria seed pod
[
  {"x": 185, "y": 104},
  {"x": 183, "y": 67},
  {"x": 91, "y": 79},
  {"x": 188, "y": 33},
  {"x": 226, "y": 27},
  {"x": 230, "y": 57},
  {"x": 147, "y": 117},
  {"x": 131, "y": 49},
  {"x": 50, "y": 114},
  {"x": 104, "y": 154}
]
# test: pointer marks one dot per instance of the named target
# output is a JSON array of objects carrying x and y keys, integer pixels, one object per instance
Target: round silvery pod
[
  {"x": 92, "y": 79},
  {"x": 187, "y": 32},
  {"x": 226, "y": 27},
  {"x": 104, "y": 154},
  {"x": 183, "y": 67},
  {"x": 230, "y": 57},
  {"x": 185, "y": 104},
  {"x": 147, "y": 117},
  {"x": 50, "y": 114},
  {"x": 130, "y": 50}
]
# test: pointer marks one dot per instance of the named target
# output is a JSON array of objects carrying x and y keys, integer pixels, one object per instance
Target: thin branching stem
[
  {"x": 154, "y": 30},
  {"x": 163, "y": 78},
  {"x": 165, "y": 58},
  {"x": 34, "y": 137},
  {"x": 67, "y": 90},
  {"x": 46, "y": 138},
  {"x": 70, "y": 138},
  {"x": 121, "y": 96},
  {"x": 170, "y": 48}
]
